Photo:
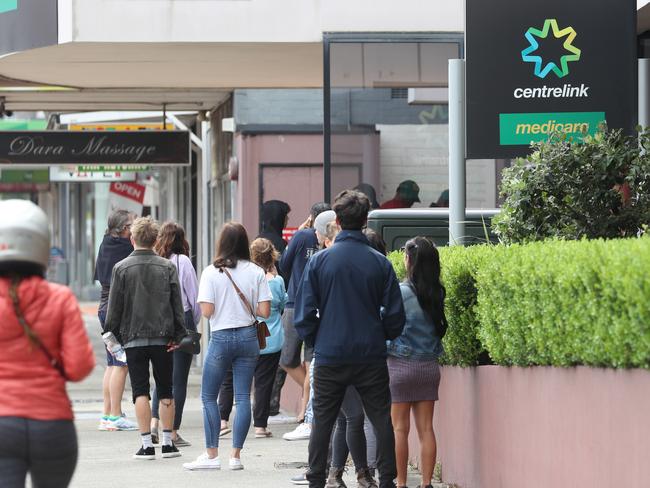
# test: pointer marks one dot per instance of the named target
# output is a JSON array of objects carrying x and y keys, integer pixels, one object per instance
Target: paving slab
[{"x": 105, "y": 458}]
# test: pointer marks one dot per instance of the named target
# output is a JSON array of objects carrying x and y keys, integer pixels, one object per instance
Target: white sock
[
  {"x": 146, "y": 440},
  {"x": 167, "y": 438}
]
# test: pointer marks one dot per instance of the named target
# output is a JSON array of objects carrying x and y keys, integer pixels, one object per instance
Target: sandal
[
  {"x": 263, "y": 434},
  {"x": 154, "y": 436},
  {"x": 225, "y": 431}
]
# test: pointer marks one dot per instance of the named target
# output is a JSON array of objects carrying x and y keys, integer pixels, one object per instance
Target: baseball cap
[{"x": 409, "y": 190}]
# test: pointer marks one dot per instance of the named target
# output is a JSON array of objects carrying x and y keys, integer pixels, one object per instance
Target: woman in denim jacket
[{"x": 413, "y": 356}]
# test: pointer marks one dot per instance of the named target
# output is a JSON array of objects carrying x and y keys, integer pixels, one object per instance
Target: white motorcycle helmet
[{"x": 24, "y": 236}]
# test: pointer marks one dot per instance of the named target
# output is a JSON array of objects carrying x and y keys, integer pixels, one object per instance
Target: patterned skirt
[{"x": 413, "y": 381}]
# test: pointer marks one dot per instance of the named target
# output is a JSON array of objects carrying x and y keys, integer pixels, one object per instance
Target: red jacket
[{"x": 30, "y": 386}]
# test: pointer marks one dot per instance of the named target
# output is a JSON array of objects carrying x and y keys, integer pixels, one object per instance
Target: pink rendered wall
[
  {"x": 540, "y": 427},
  {"x": 295, "y": 149},
  {"x": 501, "y": 427}
]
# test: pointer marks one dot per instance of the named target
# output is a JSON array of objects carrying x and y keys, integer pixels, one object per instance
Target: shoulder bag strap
[
  {"x": 31, "y": 335},
  {"x": 239, "y": 292}
]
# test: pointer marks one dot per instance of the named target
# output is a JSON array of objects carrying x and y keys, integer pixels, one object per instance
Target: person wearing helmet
[
  {"x": 44, "y": 345},
  {"x": 115, "y": 247}
]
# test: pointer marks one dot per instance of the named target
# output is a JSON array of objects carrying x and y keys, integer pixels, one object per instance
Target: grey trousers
[{"x": 47, "y": 449}]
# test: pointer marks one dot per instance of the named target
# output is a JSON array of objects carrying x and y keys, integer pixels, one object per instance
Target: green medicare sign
[
  {"x": 8, "y": 5},
  {"x": 522, "y": 129},
  {"x": 534, "y": 67}
]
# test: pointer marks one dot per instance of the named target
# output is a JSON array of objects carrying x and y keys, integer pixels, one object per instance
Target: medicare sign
[{"x": 537, "y": 67}]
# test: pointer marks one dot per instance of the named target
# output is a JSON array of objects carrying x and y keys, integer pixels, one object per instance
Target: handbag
[
  {"x": 261, "y": 327},
  {"x": 191, "y": 343},
  {"x": 31, "y": 335}
]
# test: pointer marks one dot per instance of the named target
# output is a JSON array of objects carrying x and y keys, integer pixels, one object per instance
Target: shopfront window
[{"x": 388, "y": 113}]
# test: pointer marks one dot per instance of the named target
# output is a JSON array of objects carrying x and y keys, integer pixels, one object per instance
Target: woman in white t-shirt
[{"x": 233, "y": 338}]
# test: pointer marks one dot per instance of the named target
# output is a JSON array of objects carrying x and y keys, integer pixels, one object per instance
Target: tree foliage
[{"x": 597, "y": 189}]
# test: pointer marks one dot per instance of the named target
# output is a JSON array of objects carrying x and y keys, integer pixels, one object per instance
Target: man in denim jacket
[
  {"x": 348, "y": 305},
  {"x": 145, "y": 313}
]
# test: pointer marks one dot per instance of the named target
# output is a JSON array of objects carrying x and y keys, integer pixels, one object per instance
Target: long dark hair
[
  {"x": 423, "y": 273},
  {"x": 232, "y": 246},
  {"x": 171, "y": 240}
]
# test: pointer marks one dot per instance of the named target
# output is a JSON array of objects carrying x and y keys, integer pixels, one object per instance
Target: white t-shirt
[{"x": 229, "y": 310}]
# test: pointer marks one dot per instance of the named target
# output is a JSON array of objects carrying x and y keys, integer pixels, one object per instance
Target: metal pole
[
  {"x": 644, "y": 92},
  {"x": 456, "y": 152},
  {"x": 206, "y": 177},
  {"x": 327, "y": 127}
]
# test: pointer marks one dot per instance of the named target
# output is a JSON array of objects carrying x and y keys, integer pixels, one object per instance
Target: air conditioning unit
[{"x": 428, "y": 96}]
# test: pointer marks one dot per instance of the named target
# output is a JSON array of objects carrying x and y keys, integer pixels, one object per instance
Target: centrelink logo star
[{"x": 541, "y": 68}]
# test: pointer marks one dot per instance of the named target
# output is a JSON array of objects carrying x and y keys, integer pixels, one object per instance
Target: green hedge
[{"x": 557, "y": 303}]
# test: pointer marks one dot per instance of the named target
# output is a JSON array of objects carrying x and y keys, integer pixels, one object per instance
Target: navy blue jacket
[
  {"x": 302, "y": 246},
  {"x": 349, "y": 303}
]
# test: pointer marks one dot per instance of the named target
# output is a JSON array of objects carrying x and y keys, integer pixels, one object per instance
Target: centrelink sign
[{"x": 536, "y": 67}]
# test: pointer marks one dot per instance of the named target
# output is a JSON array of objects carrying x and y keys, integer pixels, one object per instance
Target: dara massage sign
[{"x": 540, "y": 66}]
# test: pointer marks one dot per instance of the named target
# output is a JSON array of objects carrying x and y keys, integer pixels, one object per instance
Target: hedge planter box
[{"x": 501, "y": 427}]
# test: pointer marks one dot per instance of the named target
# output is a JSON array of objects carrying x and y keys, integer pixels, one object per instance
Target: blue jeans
[{"x": 230, "y": 348}]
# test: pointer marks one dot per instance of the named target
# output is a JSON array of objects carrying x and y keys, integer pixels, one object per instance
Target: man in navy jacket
[{"x": 347, "y": 305}]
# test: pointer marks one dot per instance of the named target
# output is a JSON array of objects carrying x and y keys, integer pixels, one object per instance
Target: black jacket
[
  {"x": 145, "y": 299},
  {"x": 274, "y": 214}
]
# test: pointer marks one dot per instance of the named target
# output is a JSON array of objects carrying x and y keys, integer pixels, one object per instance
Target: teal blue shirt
[{"x": 274, "y": 322}]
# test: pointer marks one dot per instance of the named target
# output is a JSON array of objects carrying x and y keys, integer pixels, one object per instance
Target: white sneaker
[
  {"x": 235, "y": 464},
  {"x": 121, "y": 423},
  {"x": 303, "y": 431},
  {"x": 103, "y": 424},
  {"x": 203, "y": 462}
]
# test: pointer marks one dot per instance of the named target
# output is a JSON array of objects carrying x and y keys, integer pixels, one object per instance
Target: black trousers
[
  {"x": 47, "y": 449},
  {"x": 267, "y": 366},
  {"x": 330, "y": 384}
]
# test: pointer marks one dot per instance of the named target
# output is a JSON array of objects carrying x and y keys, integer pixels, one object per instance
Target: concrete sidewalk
[{"x": 105, "y": 457}]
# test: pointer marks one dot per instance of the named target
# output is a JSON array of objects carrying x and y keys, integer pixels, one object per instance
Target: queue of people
[{"x": 362, "y": 346}]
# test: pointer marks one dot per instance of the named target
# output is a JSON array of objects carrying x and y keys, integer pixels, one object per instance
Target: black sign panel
[
  {"x": 26, "y": 24},
  {"x": 55, "y": 148},
  {"x": 539, "y": 66}
]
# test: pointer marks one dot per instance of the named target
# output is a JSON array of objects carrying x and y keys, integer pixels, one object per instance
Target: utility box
[{"x": 399, "y": 225}]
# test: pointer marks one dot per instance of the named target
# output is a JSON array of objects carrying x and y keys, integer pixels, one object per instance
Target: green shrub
[
  {"x": 600, "y": 188},
  {"x": 563, "y": 303}
]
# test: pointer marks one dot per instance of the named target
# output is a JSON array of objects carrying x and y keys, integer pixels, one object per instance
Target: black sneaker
[
  {"x": 170, "y": 451},
  {"x": 147, "y": 454}
]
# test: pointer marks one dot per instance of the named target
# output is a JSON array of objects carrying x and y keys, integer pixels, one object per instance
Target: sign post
[{"x": 457, "y": 178}]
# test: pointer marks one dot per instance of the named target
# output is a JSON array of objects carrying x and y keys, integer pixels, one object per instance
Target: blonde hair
[
  {"x": 263, "y": 253},
  {"x": 145, "y": 232},
  {"x": 332, "y": 230}
]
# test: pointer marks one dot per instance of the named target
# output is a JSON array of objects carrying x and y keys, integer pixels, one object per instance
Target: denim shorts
[{"x": 110, "y": 359}]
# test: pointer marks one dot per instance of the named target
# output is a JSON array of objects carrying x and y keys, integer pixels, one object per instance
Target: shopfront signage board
[
  {"x": 536, "y": 67},
  {"x": 62, "y": 174},
  {"x": 28, "y": 24},
  {"x": 69, "y": 148},
  {"x": 24, "y": 181}
]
